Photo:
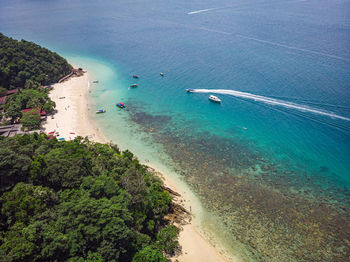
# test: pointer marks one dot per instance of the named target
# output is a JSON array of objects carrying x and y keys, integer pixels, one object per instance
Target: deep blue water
[
  {"x": 293, "y": 51},
  {"x": 296, "y": 50}
]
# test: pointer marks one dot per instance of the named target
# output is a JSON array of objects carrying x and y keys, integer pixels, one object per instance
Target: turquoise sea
[{"x": 272, "y": 161}]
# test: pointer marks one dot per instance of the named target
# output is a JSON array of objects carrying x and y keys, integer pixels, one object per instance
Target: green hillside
[
  {"x": 80, "y": 201},
  {"x": 22, "y": 60}
]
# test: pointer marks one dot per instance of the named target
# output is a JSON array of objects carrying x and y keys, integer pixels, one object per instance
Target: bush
[
  {"x": 31, "y": 120},
  {"x": 3, "y": 91},
  {"x": 149, "y": 254},
  {"x": 167, "y": 239}
]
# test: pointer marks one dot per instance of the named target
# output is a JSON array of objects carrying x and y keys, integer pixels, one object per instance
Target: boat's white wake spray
[
  {"x": 272, "y": 101},
  {"x": 201, "y": 11}
]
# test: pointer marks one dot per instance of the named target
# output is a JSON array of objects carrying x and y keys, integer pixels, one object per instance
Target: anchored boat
[
  {"x": 135, "y": 76},
  {"x": 120, "y": 105},
  {"x": 134, "y": 85},
  {"x": 100, "y": 111}
]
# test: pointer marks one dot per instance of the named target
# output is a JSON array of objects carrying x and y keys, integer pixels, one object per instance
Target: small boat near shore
[
  {"x": 121, "y": 105},
  {"x": 134, "y": 85},
  {"x": 100, "y": 111},
  {"x": 96, "y": 81},
  {"x": 214, "y": 99},
  {"x": 135, "y": 76}
]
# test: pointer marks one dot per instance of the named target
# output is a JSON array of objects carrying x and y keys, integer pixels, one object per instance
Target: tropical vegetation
[
  {"x": 21, "y": 61},
  {"x": 25, "y": 68},
  {"x": 80, "y": 201}
]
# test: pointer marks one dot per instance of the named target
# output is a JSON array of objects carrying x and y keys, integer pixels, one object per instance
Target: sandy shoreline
[{"x": 73, "y": 118}]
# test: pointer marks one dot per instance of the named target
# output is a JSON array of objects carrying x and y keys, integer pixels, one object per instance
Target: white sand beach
[
  {"x": 196, "y": 248},
  {"x": 73, "y": 118},
  {"x": 194, "y": 245}
]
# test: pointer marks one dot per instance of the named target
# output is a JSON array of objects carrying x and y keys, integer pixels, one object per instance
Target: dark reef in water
[
  {"x": 279, "y": 213},
  {"x": 144, "y": 119}
]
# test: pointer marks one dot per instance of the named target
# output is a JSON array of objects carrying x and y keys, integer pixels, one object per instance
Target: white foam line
[
  {"x": 200, "y": 28},
  {"x": 272, "y": 101},
  {"x": 201, "y": 11},
  {"x": 294, "y": 48},
  {"x": 212, "y": 30}
]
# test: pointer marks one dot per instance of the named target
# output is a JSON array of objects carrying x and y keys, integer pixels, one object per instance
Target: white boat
[
  {"x": 214, "y": 99},
  {"x": 100, "y": 111}
]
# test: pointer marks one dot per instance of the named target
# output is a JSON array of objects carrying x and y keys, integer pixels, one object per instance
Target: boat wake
[
  {"x": 294, "y": 48},
  {"x": 272, "y": 101},
  {"x": 201, "y": 11}
]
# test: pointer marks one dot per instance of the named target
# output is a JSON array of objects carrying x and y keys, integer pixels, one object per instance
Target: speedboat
[
  {"x": 100, "y": 111},
  {"x": 135, "y": 76},
  {"x": 134, "y": 85},
  {"x": 120, "y": 105},
  {"x": 190, "y": 90},
  {"x": 214, "y": 99}
]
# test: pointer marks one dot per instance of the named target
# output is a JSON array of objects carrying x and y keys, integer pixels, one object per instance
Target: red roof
[
  {"x": 2, "y": 100},
  {"x": 42, "y": 113},
  {"x": 13, "y": 91},
  {"x": 10, "y": 92}
]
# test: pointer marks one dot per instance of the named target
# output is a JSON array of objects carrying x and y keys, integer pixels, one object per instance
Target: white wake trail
[
  {"x": 294, "y": 48},
  {"x": 201, "y": 11},
  {"x": 272, "y": 101}
]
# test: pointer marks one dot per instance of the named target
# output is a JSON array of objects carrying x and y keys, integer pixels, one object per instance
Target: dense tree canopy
[
  {"x": 79, "y": 201},
  {"x": 3, "y": 91},
  {"x": 22, "y": 60},
  {"x": 31, "y": 120}
]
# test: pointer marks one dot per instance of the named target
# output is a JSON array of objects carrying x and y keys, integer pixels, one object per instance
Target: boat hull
[{"x": 215, "y": 99}]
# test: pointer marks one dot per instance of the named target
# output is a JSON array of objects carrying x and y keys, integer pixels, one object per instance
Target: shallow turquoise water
[{"x": 293, "y": 51}]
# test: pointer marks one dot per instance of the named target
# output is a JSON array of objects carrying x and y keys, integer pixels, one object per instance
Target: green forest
[
  {"x": 26, "y": 67},
  {"x": 22, "y": 60},
  {"x": 80, "y": 201}
]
